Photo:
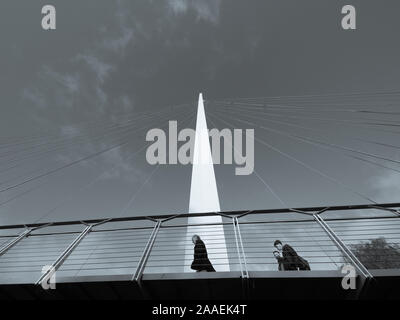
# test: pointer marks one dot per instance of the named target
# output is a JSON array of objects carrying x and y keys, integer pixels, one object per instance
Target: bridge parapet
[{"x": 144, "y": 247}]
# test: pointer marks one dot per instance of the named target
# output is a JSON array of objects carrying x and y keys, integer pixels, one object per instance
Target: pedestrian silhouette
[
  {"x": 200, "y": 261},
  {"x": 278, "y": 257},
  {"x": 288, "y": 259}
]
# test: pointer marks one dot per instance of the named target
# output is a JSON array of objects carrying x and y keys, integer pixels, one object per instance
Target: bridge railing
[
  {"x": 307, "y": 238},
  {"x": 327, "y": 238},
  {"x": 173, "y": 247}
]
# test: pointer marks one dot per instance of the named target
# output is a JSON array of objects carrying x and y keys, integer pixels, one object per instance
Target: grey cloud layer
[{"x": 113, "y": 57}]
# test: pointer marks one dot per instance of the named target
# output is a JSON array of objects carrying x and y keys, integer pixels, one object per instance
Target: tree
[{"x": 377, "y": 254}]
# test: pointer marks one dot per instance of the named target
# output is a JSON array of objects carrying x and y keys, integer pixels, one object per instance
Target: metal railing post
[
  {"x": 13, "y": 242},
  {"x": 343, "y": 247},
  {"x": 146, "y": 253},
  {"x": 58, "y": 262},
  {"x": 246, "y": 271},
  {"x": 23, "y": 235},
  {"x": 237, "y": 246}
]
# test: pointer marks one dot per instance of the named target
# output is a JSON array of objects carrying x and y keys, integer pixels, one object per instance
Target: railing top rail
[{"x": 226, "y": 213}]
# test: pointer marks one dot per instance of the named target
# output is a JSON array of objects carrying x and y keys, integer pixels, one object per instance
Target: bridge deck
[{"x": 206, "y": 286}]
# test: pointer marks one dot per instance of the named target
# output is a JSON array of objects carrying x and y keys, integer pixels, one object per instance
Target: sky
[{"x": 109, "y": 61}]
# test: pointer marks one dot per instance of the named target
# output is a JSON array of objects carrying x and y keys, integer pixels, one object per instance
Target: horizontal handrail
[{"x": 229, "y": 213}]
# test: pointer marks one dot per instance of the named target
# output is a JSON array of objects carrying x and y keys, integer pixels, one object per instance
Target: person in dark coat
[
  {"x": 291, "y": 260},
  {"x": 200, "y": 260},
  {"x": 303, "y": 264},
  {"x": 280, "y": 260}
]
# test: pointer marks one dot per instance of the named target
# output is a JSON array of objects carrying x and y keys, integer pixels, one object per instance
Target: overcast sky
[{"x": 108, "y": 58}]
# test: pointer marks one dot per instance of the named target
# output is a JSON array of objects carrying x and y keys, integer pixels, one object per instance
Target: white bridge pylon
[{"x": 204, "y": 198}]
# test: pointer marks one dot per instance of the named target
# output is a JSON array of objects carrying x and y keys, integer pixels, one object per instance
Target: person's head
[
  {"x": 276, "y": 254},
  {"x": 278, "y": 245},
  {"x": 195, "y": 238}
]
